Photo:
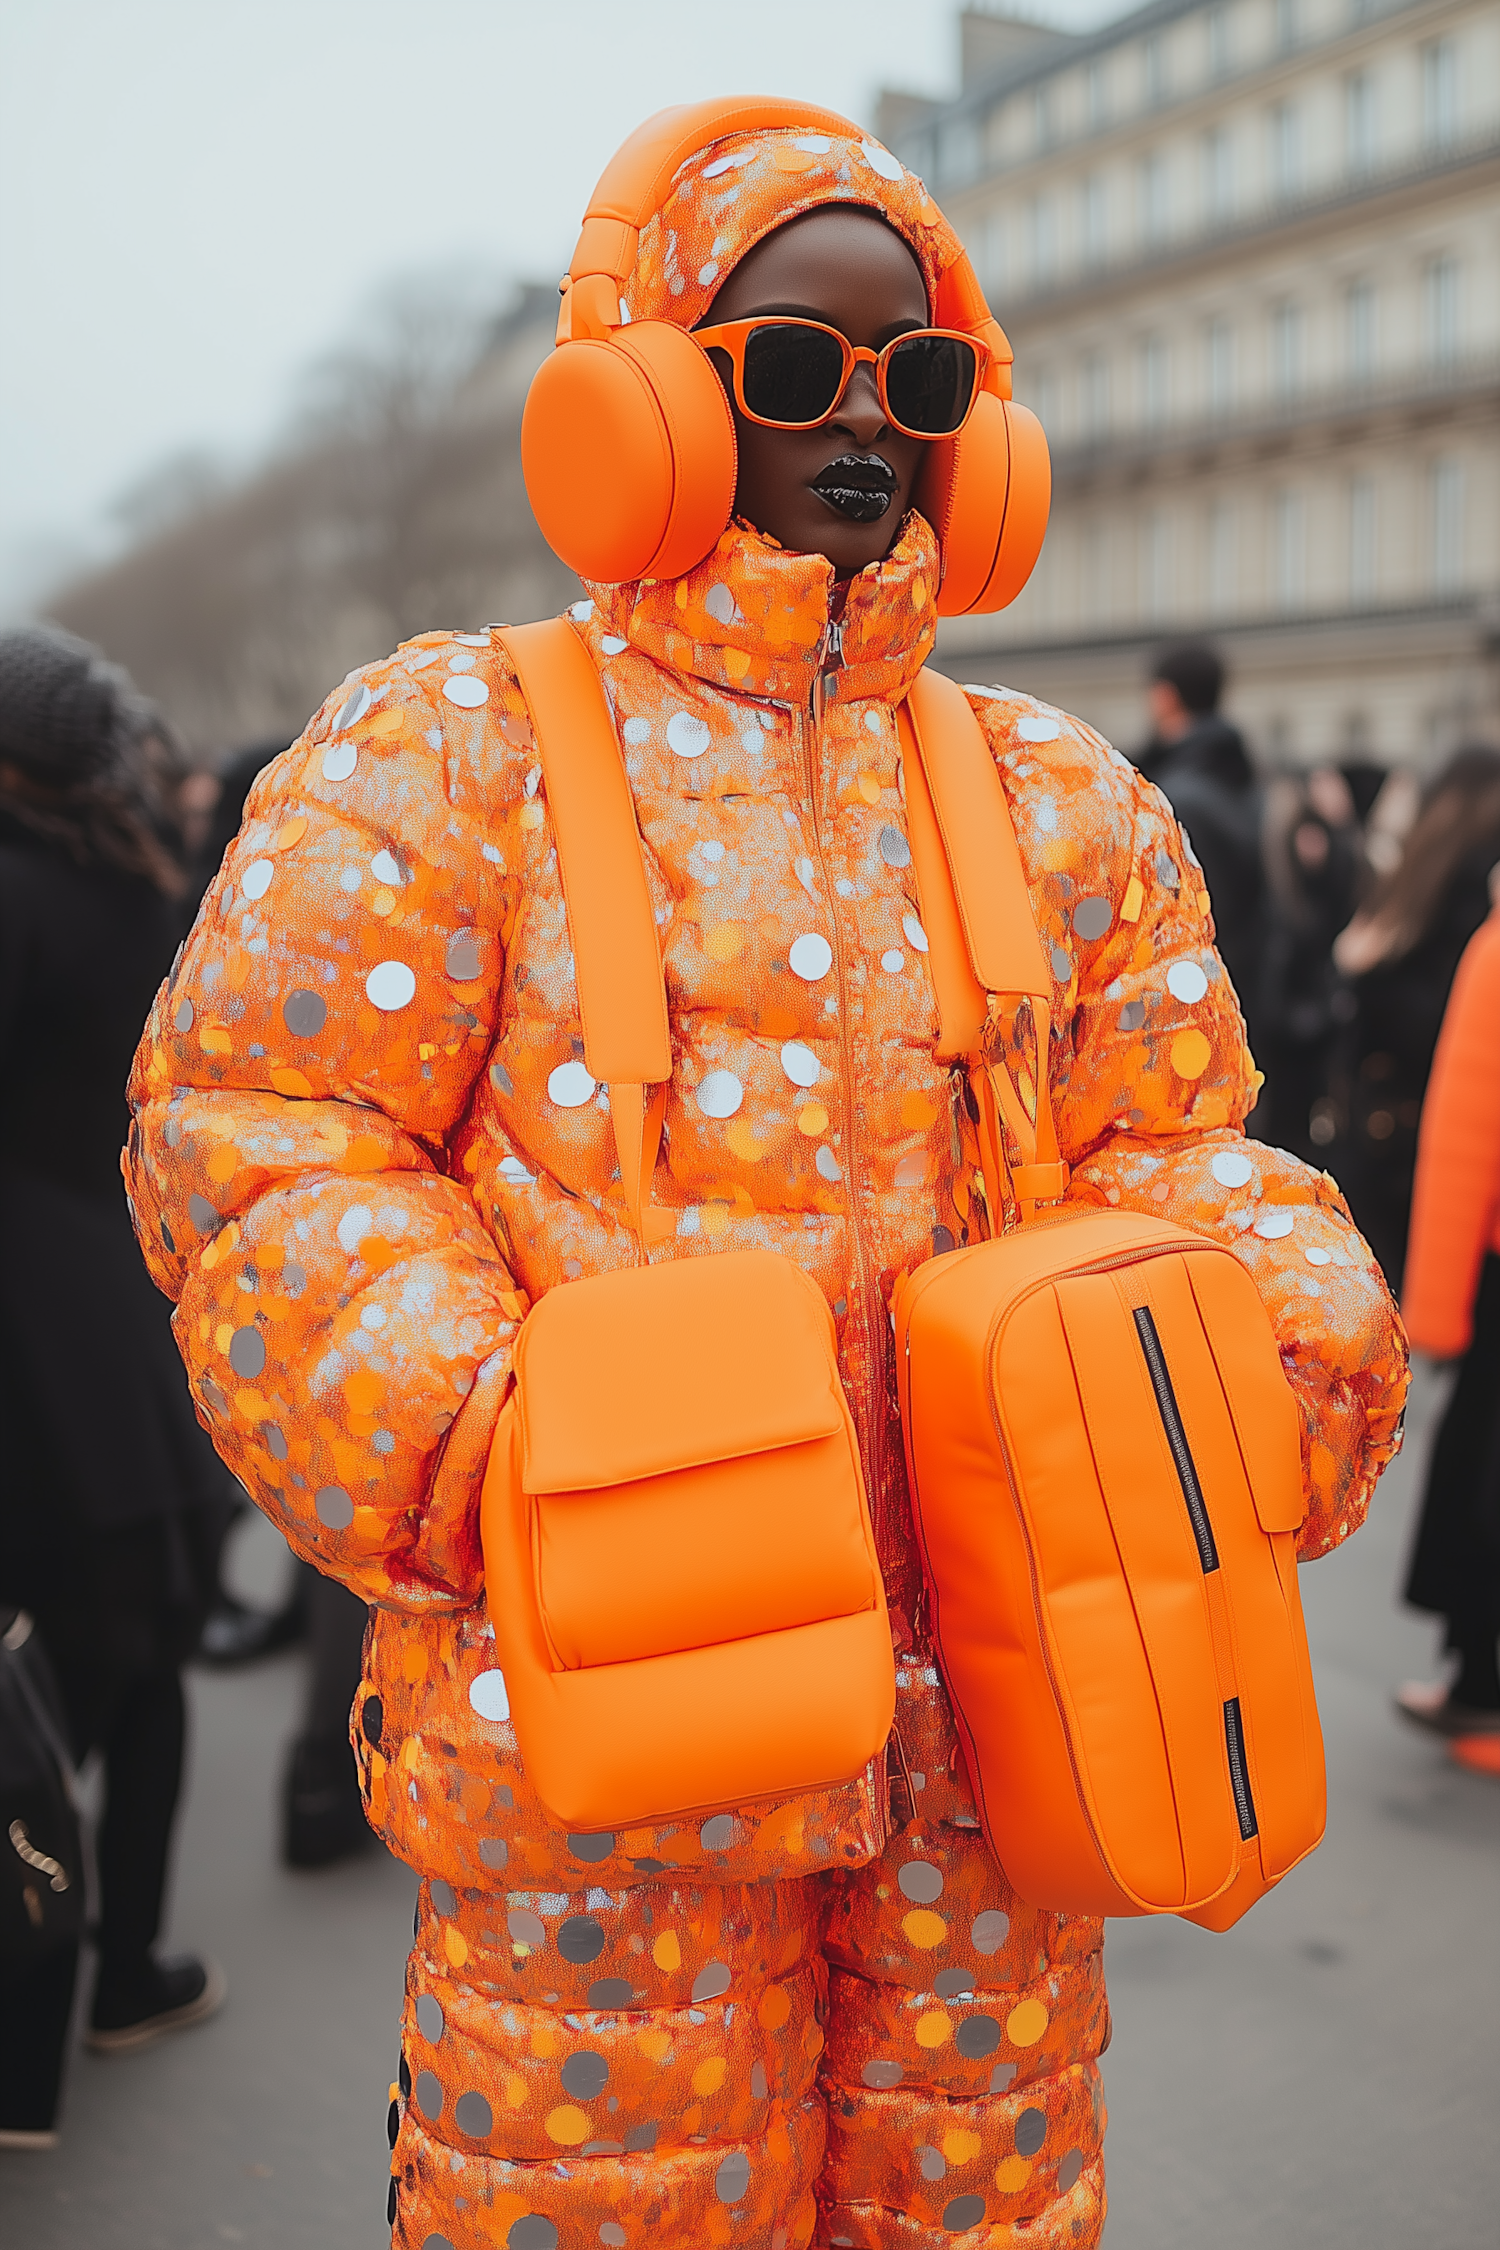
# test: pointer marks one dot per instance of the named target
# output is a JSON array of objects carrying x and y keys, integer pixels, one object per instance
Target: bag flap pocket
[{"x": 667, "y": 1367}]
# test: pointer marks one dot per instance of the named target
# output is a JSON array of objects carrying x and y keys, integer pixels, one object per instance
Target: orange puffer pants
[{"x": 893, "y": 2057}]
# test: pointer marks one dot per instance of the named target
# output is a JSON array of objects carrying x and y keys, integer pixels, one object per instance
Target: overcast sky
[{"x": 198, "y": 197}]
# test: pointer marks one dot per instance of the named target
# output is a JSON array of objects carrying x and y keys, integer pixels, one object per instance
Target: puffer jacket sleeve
[
  {"x": 344, "y": 1314},
  {"x": 1457, "y": 1192},
  {"x": 1152, "y": 1079}
]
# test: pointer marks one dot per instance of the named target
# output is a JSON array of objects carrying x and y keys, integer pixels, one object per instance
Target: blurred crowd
[{"x": 1351, "y": 904}]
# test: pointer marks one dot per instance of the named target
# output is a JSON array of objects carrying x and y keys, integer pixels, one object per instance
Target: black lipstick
[{"x": 860, "y": 485}]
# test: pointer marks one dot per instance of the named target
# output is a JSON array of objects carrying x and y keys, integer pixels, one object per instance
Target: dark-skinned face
[{"x": 847, "y": 268}]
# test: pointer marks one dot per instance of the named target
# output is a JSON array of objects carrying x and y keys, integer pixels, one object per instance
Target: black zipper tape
[
  {"x": 1239, "y": 1771},
  {"x": 1187, "y": 1473}
]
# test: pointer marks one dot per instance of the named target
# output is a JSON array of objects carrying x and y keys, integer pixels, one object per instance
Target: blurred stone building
[{"x": 1248, "y": 254}]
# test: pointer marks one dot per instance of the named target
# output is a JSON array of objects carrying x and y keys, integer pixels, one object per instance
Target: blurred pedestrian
[
  {"x": 1451, "y": 1304},
  {"x": 1314, "y": 864},
  {"x": 114, "y": 1502},
  {"x": 1201, "y": 766},
  {"x": 1398, "y": 955}
]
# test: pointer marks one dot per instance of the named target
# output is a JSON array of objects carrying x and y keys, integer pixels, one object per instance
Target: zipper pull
[{"x": 830, "y": 658}]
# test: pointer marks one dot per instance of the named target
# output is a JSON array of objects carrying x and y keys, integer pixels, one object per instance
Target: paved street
[{"x": 1322, "y": 2079}]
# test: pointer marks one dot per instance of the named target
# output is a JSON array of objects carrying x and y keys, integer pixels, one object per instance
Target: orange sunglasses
[{"x": 790, "y": 374}]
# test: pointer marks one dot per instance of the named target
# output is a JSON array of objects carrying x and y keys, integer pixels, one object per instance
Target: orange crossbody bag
[
  {"x": 1104, "y": 1459},
  {"x": 679, "y": 1560}
]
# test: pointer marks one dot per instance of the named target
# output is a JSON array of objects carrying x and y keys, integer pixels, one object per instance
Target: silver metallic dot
[
  {"x": 532, "y": 2233},
  {"x": 760, "y": 2085},
  {"x": 963, "y": 2212},
  {"x": 391, "y": 986},
  {"x": 335, "y": 1508},
  {"x": 525, "y": 1927},
  {"x": 1166, "y": 869},
  {"x": 990, "y": 1930},
  {"x": 275, "y": 1438},
  {"x": 493, "y": 1852},
  {"x": 183, "y": 1019},
  {"x": 894, "y": 849},
  {"x": 715, "y": 1977},
  {"x": 1069, "y": 2169},
  {"x": 882, "y": 2074},
  {"x": 810, "y": 957},
  {"x": 473, "y": 2116},
  {"x": 500, "y": 1078},
  {"x": 976, "y": 2037},
  {"x": 732, "y": 2180},
  {"x": 429, "y": 2093},
  {"x": 202, "y": 1213},
  {"x": 442, "y": 1895},
  {"x": 717, "y": 1834},
  {"x": 430, "y": 2017},
  {"x": 950, "y": 1984},
  {"x": 247, "y": 1353},
  {"x": 1031, "y": 2131},
  {"x": 581, "y": 1939},
  {"x": 585, "y": 2076},
  {"x": 304, "y": 1014},
  {"x": 1132, "y": 1015},
  {"x": 611, "y": 1992},
  {"x": 461, "y": 962},
  {"x": 591, "y": 1847},
  {"x": 1062, "y": 963},
  {"x": 1092, "y": 917},
  {"x": 933, "y": 2162},
  {"x": 921, "y": 1881}
]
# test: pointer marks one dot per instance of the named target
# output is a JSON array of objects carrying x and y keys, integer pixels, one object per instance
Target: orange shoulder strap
[
  {"x": 982, "y": 935},
  {"x": 622, "y": 995}
]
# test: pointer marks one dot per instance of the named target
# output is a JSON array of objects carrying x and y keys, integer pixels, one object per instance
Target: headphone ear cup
[
  {"x": 987, "y": 495},
  {"x": 628, "y": 450}
]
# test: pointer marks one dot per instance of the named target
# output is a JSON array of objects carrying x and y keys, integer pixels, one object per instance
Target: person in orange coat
[
  {"x": 1451, "y": 1305},
  {"x": 366, "y": 1141}
]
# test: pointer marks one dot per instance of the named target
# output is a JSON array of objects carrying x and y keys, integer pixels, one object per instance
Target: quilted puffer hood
[{"x": 732, "y": 193}]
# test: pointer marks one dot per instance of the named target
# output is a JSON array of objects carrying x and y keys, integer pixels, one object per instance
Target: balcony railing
[{"x": 1415, "y": 392}]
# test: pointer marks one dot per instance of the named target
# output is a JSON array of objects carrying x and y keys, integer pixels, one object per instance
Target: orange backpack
[
  {"x": 1104, "y": 1459},
  {"x": 680, "y": 1567}
]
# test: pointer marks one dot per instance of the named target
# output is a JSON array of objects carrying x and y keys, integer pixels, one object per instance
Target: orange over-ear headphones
[{"x": 627, "y": 442}]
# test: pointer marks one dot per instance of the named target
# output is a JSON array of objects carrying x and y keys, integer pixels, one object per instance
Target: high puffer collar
[{"x": 759, "y": 621}]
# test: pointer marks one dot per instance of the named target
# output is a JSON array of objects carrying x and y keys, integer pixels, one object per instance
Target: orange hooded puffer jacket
[{"x": 365, "y": 1140}]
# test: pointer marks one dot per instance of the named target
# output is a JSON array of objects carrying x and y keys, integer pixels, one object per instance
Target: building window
[
  {"x": 1220, "y": 47},
  {"x": 1043, "y": 129},
  {"x": 1218, "y": 366},
  {"x": 1441, "y": 293},
  {"x": 1286, "y": 149},
  {"x": 1095, "y": 396},
  {"x": 1362, "y": 539},
  {"x": 1156, "y": 563},
  {"x": 1288, "y": 24},
  {"x": 959, "y": 152},
  {"x": 1156, "y": 70},
  {"x": 1287, "y": 332},
  {"x": 1096, "y": 94},
  {"x": 1288, "y": 548},
  {"x": 1223, "y": 558},
  {"x": 1439, "y": 92},
  {"x": 1218, "y": 176},
  {"x": 1092, "y": 220},
  {"x": 1447, "y": 525},
  {"x": 1048, "y": 400},
  {"x": 1151, "y": 197},
  {"x": 1156, "y": 381},
  {"x": 1041, "y": 228},
  {"x": 1359, "y": 330},
  {"x": 1359, "y": 122},
  {"x": 1095, "y": 572}
]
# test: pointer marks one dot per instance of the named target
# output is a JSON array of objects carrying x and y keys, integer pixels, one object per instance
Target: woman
[
  {"x": 1451, "y": 1303},
  {"x": 1399, "y": 954},
  {"x": 114, "y": 1504},
  {"x": 366, "y": 1141}
]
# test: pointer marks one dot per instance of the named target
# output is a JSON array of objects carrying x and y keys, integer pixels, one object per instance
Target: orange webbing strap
[
  {"x": 982, "y": 936},
  {"x": 622, "y": 997}
]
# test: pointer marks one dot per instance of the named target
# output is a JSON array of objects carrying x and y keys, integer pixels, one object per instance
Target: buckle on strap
[{"x": 1039, "y": 1183}]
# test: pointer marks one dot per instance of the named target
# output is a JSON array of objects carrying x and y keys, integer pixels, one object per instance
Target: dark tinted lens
[
  {"x": 929, "y": 381},
  {"x": 792, "y": 374}
]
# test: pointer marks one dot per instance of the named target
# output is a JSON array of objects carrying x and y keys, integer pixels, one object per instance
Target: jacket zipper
[
  {"x": 1239, "y": 1771},
  {"x": 873, "y": 1451},
  {"x": 1166, "y": 1407}
]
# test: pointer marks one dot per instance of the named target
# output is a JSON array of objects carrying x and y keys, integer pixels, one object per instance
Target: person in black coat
[
  {"x": 113, "y": 1499},
  {"x": 1201, "y": 766}
]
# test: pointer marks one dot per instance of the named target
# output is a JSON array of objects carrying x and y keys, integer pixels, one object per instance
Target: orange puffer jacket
[{"x": 365, "y": 1137}]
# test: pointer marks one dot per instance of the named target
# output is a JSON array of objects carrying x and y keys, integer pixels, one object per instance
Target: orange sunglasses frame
[{"x": 732, "y": 336}]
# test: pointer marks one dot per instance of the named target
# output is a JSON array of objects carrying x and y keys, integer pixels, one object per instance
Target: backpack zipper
[
  {"x": 1166, "y": 1407},
  {"x": 1239, "y": 1771}
]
